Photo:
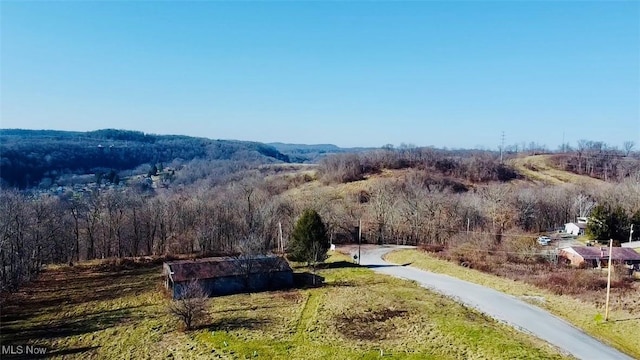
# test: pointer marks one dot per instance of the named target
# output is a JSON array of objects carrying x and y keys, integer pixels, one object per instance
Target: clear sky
[{"x": 452, "y": 74}]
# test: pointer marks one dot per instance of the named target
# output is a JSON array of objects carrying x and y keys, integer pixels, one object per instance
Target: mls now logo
[{"x": 23, "y": 350}]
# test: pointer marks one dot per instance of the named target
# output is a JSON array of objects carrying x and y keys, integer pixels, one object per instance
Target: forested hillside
[
  {"x": 303, "y": 153},
  {"x": 29, "y": 156}
]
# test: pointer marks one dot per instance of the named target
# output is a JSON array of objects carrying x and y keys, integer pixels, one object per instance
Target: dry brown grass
[
  {"x": 98, "y": 312},
  {"x": 371, "y": 325},
  {"x": 584, "y": 310},
  {"x": 539, "y": 168},
  {"x": 518, "y": 258}
]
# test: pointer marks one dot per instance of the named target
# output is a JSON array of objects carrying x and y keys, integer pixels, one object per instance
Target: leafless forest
[{"x": 407, "y": 195}]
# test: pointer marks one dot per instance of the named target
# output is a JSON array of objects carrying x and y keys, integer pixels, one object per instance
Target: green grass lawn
[
  {"x": 84, "y": 312},
  {"x": 587, "y": 316}
]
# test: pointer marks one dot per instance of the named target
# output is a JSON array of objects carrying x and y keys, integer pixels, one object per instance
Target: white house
[
  {"x": 632, "y": 244},
  {"x": 575, "y": 228}
]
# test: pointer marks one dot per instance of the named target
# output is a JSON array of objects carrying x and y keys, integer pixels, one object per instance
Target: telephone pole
[
  {"x": 606, "y": 306},
  {"x": 359, "y": 238},
  {"x": 280, "y": 242},
  {"x": 501, "y": 147}
]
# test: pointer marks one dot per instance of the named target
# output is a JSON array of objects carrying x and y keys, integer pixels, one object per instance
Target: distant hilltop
[{"x": 29, "y": 156}]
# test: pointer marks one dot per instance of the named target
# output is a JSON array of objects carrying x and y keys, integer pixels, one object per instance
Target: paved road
[{"x": 498, "y": 305}]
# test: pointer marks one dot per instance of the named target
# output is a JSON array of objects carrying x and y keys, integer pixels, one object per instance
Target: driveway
[{"x": 503, "y": 307}]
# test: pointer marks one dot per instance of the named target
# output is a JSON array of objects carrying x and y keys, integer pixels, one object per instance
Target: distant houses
[
  {"x": 228, "y": 275},
  {"x": 598, "y": 257}
]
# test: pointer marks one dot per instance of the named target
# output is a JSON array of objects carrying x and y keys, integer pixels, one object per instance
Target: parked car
[{"x": 544, "y": 240}]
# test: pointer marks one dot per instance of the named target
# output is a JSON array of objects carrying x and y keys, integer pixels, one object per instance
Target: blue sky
[{"x": 452, "y": 74}]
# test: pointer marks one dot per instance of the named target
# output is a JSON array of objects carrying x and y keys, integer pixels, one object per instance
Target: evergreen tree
[
  {"x": 309, "y": 241},
  {"x": 607, "y": 223}
]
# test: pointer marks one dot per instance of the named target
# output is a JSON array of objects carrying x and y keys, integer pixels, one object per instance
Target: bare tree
[
  {"x": 628, "y": 147},
  {"x": 318, "y": 254},
  {"x": 12, "y": 229},
  {"x": 73, "y": 205},
  {"x": 135, "y": 209},
  {"x": 247, "y": 250},
  {"x": 583, "y": 204},
  {"x": 382, "y": 203},
  {"x": 500, "y": 211},
  {"x": 412, "y": 208},
  {"x": 341, "y": 168},
  {"x": 190, "y": 305}
]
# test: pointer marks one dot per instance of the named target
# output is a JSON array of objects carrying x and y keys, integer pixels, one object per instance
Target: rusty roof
[
  {"x": 596, "y": 252},
  {"x": 207, "y": 268}
]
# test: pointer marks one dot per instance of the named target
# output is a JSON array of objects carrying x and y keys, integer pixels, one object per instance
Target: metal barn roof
[
  {"x": 207, "y": 268},
  {"x": 596, "y": 252}
]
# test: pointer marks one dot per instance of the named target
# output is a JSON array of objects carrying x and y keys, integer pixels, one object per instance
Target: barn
[{"x": 228, "y": 275}]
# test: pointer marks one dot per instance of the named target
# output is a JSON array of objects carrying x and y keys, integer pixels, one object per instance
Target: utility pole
[
  {"x": 280, "y": 243},
  {"x": 606, "y": 307},
  {"x": 501, "y": 147},
  {"x": 631, "y": 233},
  {"x": 468, "y": 223},
  {"x": 359, "y": 238}
]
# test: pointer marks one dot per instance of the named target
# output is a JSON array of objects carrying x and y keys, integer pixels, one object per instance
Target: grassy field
[
  {"x": 587, "y": 316},
  {"x": 104, "y": 313},
  {"x": 538, "y": 169}
]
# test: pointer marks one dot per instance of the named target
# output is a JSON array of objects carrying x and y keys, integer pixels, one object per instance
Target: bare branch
[{"x": 190, "y": 305}]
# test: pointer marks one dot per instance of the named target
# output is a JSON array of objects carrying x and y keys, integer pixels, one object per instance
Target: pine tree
[
  {"x": 309, "y": 241},
  {"x": 607, "y": 222}
]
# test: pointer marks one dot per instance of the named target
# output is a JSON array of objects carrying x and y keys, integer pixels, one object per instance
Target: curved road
[{"x": 498, "y": 305}]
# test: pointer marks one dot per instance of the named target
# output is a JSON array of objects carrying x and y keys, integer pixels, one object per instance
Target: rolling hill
[{"x": 28, "y": 156}]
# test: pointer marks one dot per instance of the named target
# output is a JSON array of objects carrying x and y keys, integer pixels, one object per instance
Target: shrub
[
  {"x": 432, "y": 248},
  {"x": 191, "y": 305},
  {"x": 573, "y": 281}
]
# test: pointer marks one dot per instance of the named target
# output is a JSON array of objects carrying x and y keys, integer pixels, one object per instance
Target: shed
[
  {"x": 599, "y": 256},
  {"x": 228, "y": 275}
]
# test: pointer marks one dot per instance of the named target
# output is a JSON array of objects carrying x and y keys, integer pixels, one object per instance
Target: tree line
[
  {"x": 470, "y": 165},
  {"x": 243, "y": 211},
  {"x": 600, "y": 160}
]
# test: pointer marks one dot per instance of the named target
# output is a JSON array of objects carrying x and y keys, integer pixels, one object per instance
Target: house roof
[
  {"x": 207, "y": 268},
  {"x": 596, "y": 252},
  {"x": 579, "y": 225},
  {"x": 632, "y": 245}
]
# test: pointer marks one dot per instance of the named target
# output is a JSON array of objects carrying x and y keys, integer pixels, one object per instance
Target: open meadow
[{"x": 118, "y": 311}]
